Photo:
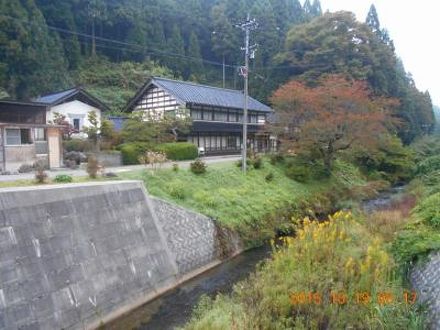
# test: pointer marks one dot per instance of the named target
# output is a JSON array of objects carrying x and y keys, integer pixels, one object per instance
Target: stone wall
[
  {"x": 426, "y": 281},
  {"x": 72, "y": 256},
  {"x": 194, "y": 239},
  {"x": 16, "y": 156},
  {"x": 109, "y": 159}
]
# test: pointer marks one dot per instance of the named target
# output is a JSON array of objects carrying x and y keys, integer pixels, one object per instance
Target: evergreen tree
[
  {"x": 297, "y": 11},
  {"x": 316, "y": 8},
  {"x": 175, "y": 45},
  {"x": 224, "y": 37},
  {"x": 32, "y": 59},
  {"x": 61, "y": 15},
  {"x": 195, "y": 65},
  {"x": 373, "y": 19}
]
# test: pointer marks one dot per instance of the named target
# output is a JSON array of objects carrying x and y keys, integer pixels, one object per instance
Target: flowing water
[{"x": 174, "y": 308}]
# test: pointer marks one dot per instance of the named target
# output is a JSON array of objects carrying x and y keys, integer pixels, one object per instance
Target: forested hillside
[{"x": 111, "y": 47}]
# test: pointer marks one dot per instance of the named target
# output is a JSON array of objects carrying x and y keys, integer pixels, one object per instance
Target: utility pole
[{"x": 244, "y": 71}]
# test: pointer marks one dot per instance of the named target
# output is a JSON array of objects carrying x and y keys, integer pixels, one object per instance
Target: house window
[
  {"x": 220, "y": 116},
  {"x": 18, "y": 136},
  {"x": 76, "y": 122},
  {"x": 196, "y": 114},
  {"x": 40, "y": 134}
]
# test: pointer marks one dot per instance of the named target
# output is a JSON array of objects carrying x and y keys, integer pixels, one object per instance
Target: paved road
[{"x": 82, "y": 172}]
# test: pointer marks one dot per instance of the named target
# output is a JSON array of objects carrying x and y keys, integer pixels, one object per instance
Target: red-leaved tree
[{"x": 335, "y": 115}]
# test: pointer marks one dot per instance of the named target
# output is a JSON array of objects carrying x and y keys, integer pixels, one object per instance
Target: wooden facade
[
  {"x": 24, "y": 136},
  {"x": 216, "y": 126}
]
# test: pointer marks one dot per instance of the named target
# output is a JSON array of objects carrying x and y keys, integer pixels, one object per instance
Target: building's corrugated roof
[
  {"x": 53, "y": 98},
  {"x": 201, "y": 94}
]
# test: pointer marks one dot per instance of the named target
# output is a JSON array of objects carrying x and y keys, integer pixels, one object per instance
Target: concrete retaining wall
[
  {"x": 72, "y": 256},
  {"x": 426, "y": 281}
]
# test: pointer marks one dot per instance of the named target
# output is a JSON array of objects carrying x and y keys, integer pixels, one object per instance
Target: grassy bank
[
  {"x": 335, "y": 274},
  {"x": 256, "y": 204}
]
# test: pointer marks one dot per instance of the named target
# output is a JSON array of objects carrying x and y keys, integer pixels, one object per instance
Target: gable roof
[
  {"x": 76, "y": 92},
  {"x": 188, "y": 92}
]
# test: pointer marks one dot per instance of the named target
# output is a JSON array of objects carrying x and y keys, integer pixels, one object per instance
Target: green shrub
[
  {"x": 239, "y": 162},
  {"x": 205, "y": 199},
  {"x": 175, "y": 167},
  {"x": 92, "y": 166},
  {"x": 276, "y": 158},
  {"x": 269, "y": 177},
  {"x": 176, "y": 189},
  {"x": 80, "y": 145},
  {"x": 198, "y": 166},
  {"x": 298, "y": 171},
  {"x": 131, "y": 152},
  {"x": 178, "y": 150},
  {"x": 63, "y": 178},
  {"x": 257, "y": 162},
  {"x": 429, "y": 165},
  {"x": 40, "y": 174},
  {"x": 429, "y": 210}
]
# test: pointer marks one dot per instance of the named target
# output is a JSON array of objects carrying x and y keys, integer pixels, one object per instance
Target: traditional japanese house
[
  {"x": 216, "y": 113},
  {"x": 25, "y": 137},
  {"x": 75, "y": 104}
]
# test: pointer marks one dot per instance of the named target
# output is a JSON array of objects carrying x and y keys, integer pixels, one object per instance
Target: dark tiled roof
[
  {"x": 55, "y": 97},
  {"x": 187, "y": 92},
  {"x": 77, "y": 93}
]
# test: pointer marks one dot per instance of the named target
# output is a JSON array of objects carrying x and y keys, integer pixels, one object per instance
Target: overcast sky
[{"x": 414, "y": 27}]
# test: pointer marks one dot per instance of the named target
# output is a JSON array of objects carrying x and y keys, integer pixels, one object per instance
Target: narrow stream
[
  {"x": 383, "y": 200},
  {"x": 174, "y": 308}
]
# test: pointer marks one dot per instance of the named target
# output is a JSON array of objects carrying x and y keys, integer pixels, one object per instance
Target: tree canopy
[{"x": 335, "y": 115}]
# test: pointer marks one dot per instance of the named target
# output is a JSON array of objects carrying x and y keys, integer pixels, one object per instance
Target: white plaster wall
[{"x": 74, "y": 109}]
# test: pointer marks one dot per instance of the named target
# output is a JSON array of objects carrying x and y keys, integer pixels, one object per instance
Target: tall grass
[{"x": 333, "y": 275}]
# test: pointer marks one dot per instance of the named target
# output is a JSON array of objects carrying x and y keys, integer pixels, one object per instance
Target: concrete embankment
[
  {"x": 74, "y": 256},
  {"x": 426, "y": 281}
]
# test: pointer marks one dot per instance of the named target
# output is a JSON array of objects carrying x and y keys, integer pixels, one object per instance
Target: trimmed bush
[
  {"x": 178, "y": 151},
  {"x": 131, "y": 152},
  {"x": 63, "y": 178},
  {"x": 198, "y": 167}
]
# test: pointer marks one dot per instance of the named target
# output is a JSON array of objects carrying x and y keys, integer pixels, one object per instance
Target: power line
[{"x": 145, "y": 49}]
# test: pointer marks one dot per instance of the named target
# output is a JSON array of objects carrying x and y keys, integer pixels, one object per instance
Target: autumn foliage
[{"x": 335, "y": 115}]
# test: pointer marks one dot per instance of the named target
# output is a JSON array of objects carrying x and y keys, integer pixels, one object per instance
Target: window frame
[{"x": 20, "y": 136}]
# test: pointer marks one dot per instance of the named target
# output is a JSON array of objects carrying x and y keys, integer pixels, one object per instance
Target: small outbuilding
[
  {"x": 25, "y": 136},
  {"x": 75, "y": 104}
]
